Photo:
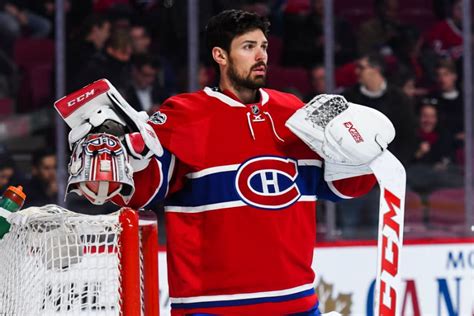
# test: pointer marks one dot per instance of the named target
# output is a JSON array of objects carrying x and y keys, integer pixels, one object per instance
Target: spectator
[
  {"x": 406, "y": 81},
  {"x": 450, "y": 101},
  {"x": 377, "y": 33},
  {"x": 304, "y": 38},
  {"x": 42, "y": 188},
  {"x": 89, "y": 41},
  {"x": 373, "y": 90},
  {"x": 432, "y": 165},
  {"x": 15, "y": 17},
  {"x": 445, "y": 37},
  {"x": 113, "y": 64},
  {"x": 7, "y": 171},
  {"x": 144, "y": 92},
  {"x": 318, "y": 82},
  {"x": 141, "y": 39}
]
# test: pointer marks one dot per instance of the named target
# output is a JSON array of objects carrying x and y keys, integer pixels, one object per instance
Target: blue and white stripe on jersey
[
  {"x": 214, "y": 188},
  {"x": 166, "y": 164},
  {"x": 242, "y": 299}
]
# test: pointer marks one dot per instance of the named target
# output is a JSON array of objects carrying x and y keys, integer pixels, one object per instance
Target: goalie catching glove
[{"x": 347, "y": 136}]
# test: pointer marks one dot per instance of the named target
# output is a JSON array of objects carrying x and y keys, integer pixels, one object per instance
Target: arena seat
[
  {"x": 414, "y": 215},
  {"x": 446, "y": 207},
  {"x": 32, "y": 51},
  {"x": 345, "y": 75},
  {"x": 6, "y": 107},
  {"x": 35, "y": 59}
]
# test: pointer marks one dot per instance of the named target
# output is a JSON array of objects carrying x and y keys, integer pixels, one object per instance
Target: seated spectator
[
  {"x": 113, "y": 64},
  {"x": 406, "y": 81},
  {"x": 7, "y": 170},
  {"x": 304, "y": 38},
  {"x": 9, "y": 174},
  {"x": 144, "y": 92},
  {"x": 377, "y": 33},
  {"x": 141, "y": 38},
  {"x": 432, "y": 166},
  {"x": 445, "y": 37},
  {"x": 42, "y": 188},
  {"x": 89, "y": 41},
  {"x": 450, "y": 101},
  {"x": 318, "y": 82},
  {"x": 374, "y": 91},
  {"x": 17, "y": 17}
]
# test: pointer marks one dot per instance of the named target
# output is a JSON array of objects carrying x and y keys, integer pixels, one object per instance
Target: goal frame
[{"x": 139, "y": 231}]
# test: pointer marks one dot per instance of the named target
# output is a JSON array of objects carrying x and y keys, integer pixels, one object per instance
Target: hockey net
[{"x": 57, "y": 262}]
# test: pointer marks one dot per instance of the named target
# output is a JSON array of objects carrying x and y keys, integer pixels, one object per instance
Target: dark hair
[
  {"x": 40, "y": 154},
  {"x": 120, "y": 39},
  {"x": 6, "y": 162},
  {"x": 427, "y": 101},
  {"x": 140, "y": 60},
  {"x": 374, "y": 59},
  {"x": 225, "y": 26},
  {"x": 446, "y": 64},
  {"x": 91, "y": 21}
]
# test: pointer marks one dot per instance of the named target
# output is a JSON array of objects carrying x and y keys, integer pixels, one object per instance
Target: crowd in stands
[{"x": 401, "y": 57}]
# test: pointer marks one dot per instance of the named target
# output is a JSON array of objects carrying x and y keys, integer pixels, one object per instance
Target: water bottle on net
[{"x": 11, "y": 201}]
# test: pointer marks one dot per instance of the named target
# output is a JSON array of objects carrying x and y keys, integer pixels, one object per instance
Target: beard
[{"x": 246, "y": 82}]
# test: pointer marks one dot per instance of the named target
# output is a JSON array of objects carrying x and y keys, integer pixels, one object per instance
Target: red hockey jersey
[
  {"x": 240, "y": 193},
  {"x": 446, "y": 39}
]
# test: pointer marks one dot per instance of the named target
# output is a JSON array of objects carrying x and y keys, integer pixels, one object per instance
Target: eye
[
  {"x": 248, "y": 46},
  {"x": 265, "y": 47}
]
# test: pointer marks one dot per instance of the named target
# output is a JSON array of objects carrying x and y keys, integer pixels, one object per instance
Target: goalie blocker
[{"x": 102, "y": 164}]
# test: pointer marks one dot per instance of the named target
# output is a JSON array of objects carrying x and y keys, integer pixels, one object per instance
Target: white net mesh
[{"x": 57, "y": 262}]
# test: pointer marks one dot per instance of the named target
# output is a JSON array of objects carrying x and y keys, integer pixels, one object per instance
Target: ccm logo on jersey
[
  {"x": 390, "y": 254},
  {"x": 354, "y": 132},
  {"x": 268, "y": 182}
]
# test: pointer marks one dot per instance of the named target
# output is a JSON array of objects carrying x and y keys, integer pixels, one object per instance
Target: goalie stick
[
  {"x": 391, "y": 177},
  {"x": 352, "y": 139}
]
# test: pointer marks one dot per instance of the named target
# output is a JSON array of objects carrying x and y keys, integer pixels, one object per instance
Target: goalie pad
[
  {"x": 99, "y": 169},
  {"x": 95, "y": 104},
  {"x": 346, "y": 135}
]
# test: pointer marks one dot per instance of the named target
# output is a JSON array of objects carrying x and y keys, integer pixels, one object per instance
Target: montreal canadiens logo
[
  {"x": 268, "y": 182},
  {"x": 100, "y": 143}
]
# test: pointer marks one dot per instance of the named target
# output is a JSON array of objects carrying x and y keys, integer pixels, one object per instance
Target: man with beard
[
  {"x": 240, "y": 233},
  {"x": 239, "y": 187}
]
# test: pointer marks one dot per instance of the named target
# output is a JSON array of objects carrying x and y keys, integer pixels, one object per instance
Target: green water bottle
[{"x": 11, "y": 201}]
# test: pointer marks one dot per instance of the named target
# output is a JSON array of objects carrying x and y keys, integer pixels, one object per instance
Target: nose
[{"x": 261, "y": 55}]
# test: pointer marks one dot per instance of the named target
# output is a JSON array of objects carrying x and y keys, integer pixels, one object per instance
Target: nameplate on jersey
[{"x": 268, "y": 182}]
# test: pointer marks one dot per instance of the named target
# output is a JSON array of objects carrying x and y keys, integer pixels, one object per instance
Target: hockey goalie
[{"x": 240, "y": 169}]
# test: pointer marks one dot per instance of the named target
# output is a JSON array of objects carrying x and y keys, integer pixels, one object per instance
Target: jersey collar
[{"x": 227, "y": 99}]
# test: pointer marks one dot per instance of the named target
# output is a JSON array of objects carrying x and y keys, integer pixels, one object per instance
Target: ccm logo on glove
[
  {"x": 81, "y": 98},
  {"x": 354, "y": 132}
]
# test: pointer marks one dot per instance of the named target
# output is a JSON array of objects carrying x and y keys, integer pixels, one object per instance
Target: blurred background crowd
[{"x": 402, "y": 57}]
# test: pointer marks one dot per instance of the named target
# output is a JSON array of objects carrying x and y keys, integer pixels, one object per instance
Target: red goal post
[{"x": 57, "y": 262}]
